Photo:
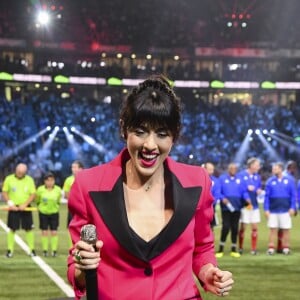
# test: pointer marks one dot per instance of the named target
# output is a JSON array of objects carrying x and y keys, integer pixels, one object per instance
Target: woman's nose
[{"x": 150, "y": 142}]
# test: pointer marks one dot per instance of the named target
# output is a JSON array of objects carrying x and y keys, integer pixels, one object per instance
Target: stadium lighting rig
[
  {"x": 272, "y": 152},
  {"x": 43, "y": 18},
  {"x": 32, "y": 139},
  {"x": 46, "y": 13},
  {"x": 90, "y": 140},
  {"x": 241, "y": 154},
  {"x": 74, "y": 145},
  {"x": 291, "y": 145}
]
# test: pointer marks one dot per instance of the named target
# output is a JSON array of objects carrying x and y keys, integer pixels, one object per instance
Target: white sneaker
[
  {"x": 271, "y": 251},
  {"x": 286, "y": 251}
]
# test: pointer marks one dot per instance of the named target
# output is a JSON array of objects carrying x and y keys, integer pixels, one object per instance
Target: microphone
[{"x": 88, "y": 234}]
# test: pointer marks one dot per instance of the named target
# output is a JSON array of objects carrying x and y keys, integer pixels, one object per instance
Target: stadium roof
[{"x": 156, "y": 23}]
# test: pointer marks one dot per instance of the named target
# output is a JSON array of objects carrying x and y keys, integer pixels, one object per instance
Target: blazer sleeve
[
  {"x": 204, "y": 240},
  {"x": 78, "y": 209}
]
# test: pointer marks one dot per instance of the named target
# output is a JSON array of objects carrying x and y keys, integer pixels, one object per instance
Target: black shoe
[
  {"x": 45, "y": 253},
  {"x": 32, "y": 253},
  {"x": 54, "y": 254},
  {"x": 9, "y": 254}
]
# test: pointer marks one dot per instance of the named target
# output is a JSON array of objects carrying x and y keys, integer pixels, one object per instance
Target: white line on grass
[{"x": 44, "y": 266}]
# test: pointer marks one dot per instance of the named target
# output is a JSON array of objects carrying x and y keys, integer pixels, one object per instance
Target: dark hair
[
  {"x": 78, "y": 163},
  {"x": 49, "y": 175},
  {"x": 152, "y": 102}
]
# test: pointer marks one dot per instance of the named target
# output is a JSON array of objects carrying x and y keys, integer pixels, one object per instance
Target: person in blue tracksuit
[
  {"x": 250, "y": 214},
  {"x": 298, "y": 193},
  {"x": 291, "y": 170},
  {"x": 215, "y": 188},
  {"x": 279, "y": 206},
  {"x": 233, "y": 195}
]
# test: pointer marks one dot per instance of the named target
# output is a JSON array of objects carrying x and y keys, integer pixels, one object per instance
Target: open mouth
[{"x": 148, "y": 159}]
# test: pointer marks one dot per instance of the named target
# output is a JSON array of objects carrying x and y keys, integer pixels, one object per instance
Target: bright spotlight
[
  {"x": 265, "y": 131},
  {"x": 250, "y": 131},
  {"x": 48, "y": 128},
  {"x": 43, "y": 18},
  {"x": 257, "y": 131},
  {"x": 56, "y": 128},
  {"x": 73, "y": 129},
  {"x": 272, "y": 131}
]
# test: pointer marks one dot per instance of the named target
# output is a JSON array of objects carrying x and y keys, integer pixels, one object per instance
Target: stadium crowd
[{"x": 211, "y": 132}]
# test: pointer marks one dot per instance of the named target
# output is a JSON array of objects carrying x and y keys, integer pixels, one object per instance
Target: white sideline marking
[{"x": 44, "y": 266}]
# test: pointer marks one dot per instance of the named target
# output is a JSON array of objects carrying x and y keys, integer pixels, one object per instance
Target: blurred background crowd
[{"x": 48, "y": 125}]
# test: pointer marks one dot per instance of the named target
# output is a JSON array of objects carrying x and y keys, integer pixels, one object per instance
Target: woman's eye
[
  {"x": 139, "y": 131},
  {"x": 162, "y": 134}
]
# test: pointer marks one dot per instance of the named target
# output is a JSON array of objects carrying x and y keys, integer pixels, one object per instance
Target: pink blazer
[{"x": 184, "y": 247}]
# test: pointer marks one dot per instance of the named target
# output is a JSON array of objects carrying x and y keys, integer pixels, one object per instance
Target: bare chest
[{"x": 147, "y": 212}]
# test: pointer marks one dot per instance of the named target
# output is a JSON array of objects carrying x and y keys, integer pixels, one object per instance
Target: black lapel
[
  {"x": 185, "y": 203},
  {"x": 111, "y": 206}
]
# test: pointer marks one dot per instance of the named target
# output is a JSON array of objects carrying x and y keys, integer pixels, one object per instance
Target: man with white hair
[
  {"x": 279, "y": 206},
  {"x": 19, "y": 191}
]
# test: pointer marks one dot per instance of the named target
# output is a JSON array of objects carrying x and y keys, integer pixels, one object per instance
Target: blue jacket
[
  {"x": 254, "y": 180},
  {"x": 298, "y": 194},
  {"x": 215, "y": 189},
  {"x": 232, "y": 188},
  {"x": 280, "y": 195}
]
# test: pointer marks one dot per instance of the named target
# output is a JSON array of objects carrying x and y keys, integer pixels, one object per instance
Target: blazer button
[{"x": 148, "y": 271}]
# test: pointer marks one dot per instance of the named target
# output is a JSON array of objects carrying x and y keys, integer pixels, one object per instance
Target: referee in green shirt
[
  {"x": 48, "y": 198},
  {"x": 19, "y": 191},
  {"x": 75, "y": 167}
]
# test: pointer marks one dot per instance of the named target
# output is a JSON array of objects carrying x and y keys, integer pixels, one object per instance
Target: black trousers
[{"x": 230, "y": 222}]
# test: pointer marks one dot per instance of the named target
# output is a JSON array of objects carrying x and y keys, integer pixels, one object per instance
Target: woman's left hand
[{"x": 217, "y": 281}]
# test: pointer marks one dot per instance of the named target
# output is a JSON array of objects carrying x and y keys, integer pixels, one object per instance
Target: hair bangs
[{"x": 155, "y": 115}]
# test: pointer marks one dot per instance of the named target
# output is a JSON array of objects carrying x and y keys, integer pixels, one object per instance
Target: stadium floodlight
[
  {"x": 243, "y": 149},
  {"x": 14, "y": 151},
  {"x": 271, "y": 151},
  {"x": 90, "y": 140},
  {"x": 43, "y": 18}
]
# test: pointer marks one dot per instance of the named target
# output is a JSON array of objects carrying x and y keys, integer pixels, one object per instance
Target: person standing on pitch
[
  {"x": 291, "y": 170},
  {"x": 279, "y": 206},
  {"x": 215, "y": 188},
  {"x": 233, "y": 193},
  {"x": 75, "y": 168},
  {"x": 48, "y": 197},
  {"x": 152, "y": 214},
  {"x": 298, "y": 193},
  {"x": 19, "y": 191},
  {"x": 250, "y": 213}
]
